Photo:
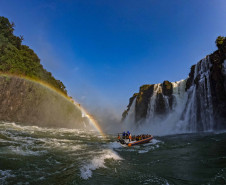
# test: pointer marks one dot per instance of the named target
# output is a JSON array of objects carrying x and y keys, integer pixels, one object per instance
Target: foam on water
[
  {"x": 114, "y": 145},
  {"x": 142, "y": 151},
  {"x": 25, "y": 152},
  {"x": 23, "y": 140},
  {"x": 98, "y": 162},
  {"x": 152, "y": 145},
  {"x": 4, "y": 174},
  {"x": 53, "y": 131}
]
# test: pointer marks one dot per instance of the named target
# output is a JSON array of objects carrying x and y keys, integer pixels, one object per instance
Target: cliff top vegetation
[
  {"x": 219, "y": 41},
  {"x": 19, "y": 59}
]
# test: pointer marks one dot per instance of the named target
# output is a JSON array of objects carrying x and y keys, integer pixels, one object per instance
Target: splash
[
  {"x": 92, "y": 121},
  {"x": 98, "y": 162}
]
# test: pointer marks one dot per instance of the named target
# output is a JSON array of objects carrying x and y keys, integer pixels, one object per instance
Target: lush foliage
[
  {"x": 220, "y": 41},
  {"x": 19, "y": 59}
]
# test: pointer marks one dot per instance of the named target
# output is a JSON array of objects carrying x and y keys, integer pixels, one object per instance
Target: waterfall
[
  {"x": 173, "y": 109},
  {"x": 129, "y": 121},
  {"x": 198, "y": 114},
  {"x": 152, "y": 104}
]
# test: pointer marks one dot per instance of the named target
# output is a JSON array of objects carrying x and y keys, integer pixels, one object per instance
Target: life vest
[
  {"x": 118, "y": 137},
  {"x": 130, "y": 137}
]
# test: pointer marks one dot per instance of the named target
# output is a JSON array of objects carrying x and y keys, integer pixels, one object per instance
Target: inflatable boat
[{"x": 136, "y": 142}]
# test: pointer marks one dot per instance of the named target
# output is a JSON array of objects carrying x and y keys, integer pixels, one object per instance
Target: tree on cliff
[
  {"x": 219, "y": 41},
  {"x": 19, "y": 59}
]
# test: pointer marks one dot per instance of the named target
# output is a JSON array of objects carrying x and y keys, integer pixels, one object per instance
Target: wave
[{"x": 98, "y": 162}]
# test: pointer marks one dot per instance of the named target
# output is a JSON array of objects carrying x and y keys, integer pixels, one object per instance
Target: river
[{"x": 34, "y": 155}]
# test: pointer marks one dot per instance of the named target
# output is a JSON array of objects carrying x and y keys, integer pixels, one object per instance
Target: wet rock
[
  {"x": 142, "y": 101},
  {"x": 167, "y": 88}
]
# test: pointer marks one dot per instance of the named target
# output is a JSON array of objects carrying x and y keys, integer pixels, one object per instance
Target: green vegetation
[
  {"x": 220, "y": 41},
  {"x": 135, "y": 94},
  {"x": 145, "y": 87},
  {"x": 19, "y": 59}
]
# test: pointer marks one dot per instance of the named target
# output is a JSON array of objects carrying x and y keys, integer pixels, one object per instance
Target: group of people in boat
[{"x": 127, "y": 135}]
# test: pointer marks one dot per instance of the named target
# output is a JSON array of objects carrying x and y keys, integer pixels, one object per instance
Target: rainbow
[{"x": 94, "y": 123}]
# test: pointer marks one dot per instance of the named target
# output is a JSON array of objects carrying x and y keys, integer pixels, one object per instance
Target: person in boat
[
  {"x": 123, "y": 135},
  {"x": 118, "y": 137},
  {"x": 130, "y": 137},
  {"x": 127, "y": 134}
]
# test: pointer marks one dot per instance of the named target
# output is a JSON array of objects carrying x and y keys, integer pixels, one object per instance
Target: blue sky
[{"x": 104, "y": 50}]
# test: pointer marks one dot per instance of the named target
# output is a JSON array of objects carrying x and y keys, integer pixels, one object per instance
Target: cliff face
[
  {"x": 197, "y": 103},
  {"x": 218, "y": 83},
  {"x": 30, "y": 103}
]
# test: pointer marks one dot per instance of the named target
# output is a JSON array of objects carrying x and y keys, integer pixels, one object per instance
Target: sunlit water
[{"x": 33, "y": 155}]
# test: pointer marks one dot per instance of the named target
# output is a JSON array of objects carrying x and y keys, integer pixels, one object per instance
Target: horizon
[{"x": 113, "y": 49}]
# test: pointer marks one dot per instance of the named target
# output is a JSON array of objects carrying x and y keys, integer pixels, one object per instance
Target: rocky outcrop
[
  {"x": 30, "y": 103},
  {"x": 142, "y": 101},
  {"x": 167, "y": 90}
]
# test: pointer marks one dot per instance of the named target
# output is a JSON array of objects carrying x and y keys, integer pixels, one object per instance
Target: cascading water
[
  {"x": 130, "y": 118},
  {"x": 168, "y": 122},
  {"x": 198, "y": 114},
  {"x": 153, "y": 105}
]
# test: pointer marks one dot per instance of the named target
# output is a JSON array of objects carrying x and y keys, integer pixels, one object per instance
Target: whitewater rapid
[
  {"x": 87, "y": 151},
  {"x": 33, "y": 141}
]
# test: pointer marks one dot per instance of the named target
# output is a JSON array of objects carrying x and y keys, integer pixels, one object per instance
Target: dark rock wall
[
  {"x": 142, "y": 101},
  {"x": 217, "y": 82}
]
